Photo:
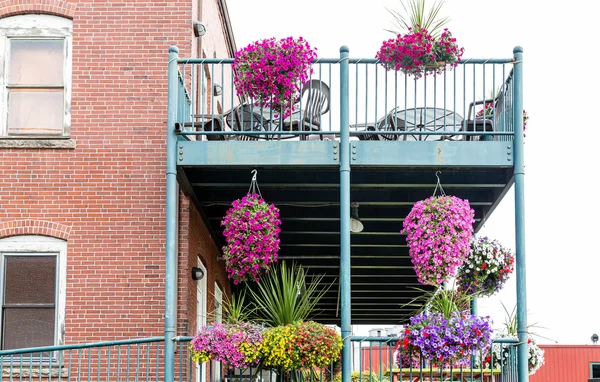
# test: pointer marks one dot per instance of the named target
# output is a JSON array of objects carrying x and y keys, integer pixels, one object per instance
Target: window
[
  {"x": 595, "y": 370},
  {"x": 32, "y": 274},
  {"x": 35, "y": 76}
]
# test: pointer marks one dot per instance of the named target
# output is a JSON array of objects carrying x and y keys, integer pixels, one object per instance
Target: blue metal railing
[
  {"x": 143, "y": 360},
  {"x": 126, "y": 360},
  {"x": 372, "y": 357},
  {"x": 383, "y": 105}
]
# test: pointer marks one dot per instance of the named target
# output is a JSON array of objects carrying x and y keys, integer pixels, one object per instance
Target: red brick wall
[
  {"x": 110, "y": 190},
  {"x": 198, "y": 241}
]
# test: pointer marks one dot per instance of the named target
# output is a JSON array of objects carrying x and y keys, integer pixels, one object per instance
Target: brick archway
[
  {"x": 51, "y": 7},
  {"x": 34, "y": 227}
]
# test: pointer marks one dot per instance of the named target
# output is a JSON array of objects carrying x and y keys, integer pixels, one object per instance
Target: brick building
[{"x": 82, "y": 158}]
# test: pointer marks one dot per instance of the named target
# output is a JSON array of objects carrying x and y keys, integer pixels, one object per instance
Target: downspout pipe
[
  {"x": 519, "y": 163},
  {"x": 171, "y": 217},
  {"x": 345, "y": 267}
]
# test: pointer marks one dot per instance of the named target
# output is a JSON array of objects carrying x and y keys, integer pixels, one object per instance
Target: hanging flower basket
[
  {"x": 300, "y": 346},
  {"x": 418, "y": 52},
  {"x": 486, "y": 268},
  {"x": 252, "y": 236},
  {"x": 504, "y": 358},
  {"x": 438, "y": 231},
  {"x": 236, "y": 345},
  {"x": 271, "y": 72},
  {"x": 447, "y": 341}
]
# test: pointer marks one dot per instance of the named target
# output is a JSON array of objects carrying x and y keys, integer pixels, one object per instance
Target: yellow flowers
[{"x": 300, "y": 346}]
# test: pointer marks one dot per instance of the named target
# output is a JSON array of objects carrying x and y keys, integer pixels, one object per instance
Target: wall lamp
[
  {"x": 197, "y": 273},
  {"x": 594, "y": 338}
]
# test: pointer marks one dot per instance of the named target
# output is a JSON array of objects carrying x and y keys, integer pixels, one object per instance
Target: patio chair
[
  {"x": 314, "y": 103},
  {"x": 482, "y": 123}
]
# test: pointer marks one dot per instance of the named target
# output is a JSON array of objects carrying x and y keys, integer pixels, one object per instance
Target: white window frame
[
  {"x": 35, "y": 27},
  {"x": 42, "y": 245}
]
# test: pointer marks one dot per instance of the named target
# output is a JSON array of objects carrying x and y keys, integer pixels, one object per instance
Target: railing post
[
  {"x": 345, "y": 214},
  {"x": 171, "y": 217},
  {"x": 523, "y": 352}
]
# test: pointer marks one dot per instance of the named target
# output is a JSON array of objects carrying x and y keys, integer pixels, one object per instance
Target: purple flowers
[
  {"x": 252, "y": 236},
  {"x": 418, "y": 52},
  {"x": 236, "y": 345},
  {"x": 272, "y": 71},
  {"x": 447, "y": 341},
  {"x": 438, "y": 231}
]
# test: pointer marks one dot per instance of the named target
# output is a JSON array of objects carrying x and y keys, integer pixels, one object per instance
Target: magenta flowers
[
  {"x": 418, "y": 52},
  {"x": 236, "y": 345},
  {"x": 438, "y": 231},
  {"x": 252, "y": 236},
  {"x": 272, "y": 72}
]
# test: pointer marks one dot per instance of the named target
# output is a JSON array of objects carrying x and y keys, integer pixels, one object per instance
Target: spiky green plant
[
  {"x": 440, "y": 300},
  {"x": 235, "y": 308},
  {"x": 283, "y": 295},
  {"x": 415, "y": 16}
]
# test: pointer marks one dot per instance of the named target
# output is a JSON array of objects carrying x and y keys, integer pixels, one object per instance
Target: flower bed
[
  {"x": 486, "y": 268},
  {"x": 417, "y": 53},
  {"x": 438, "y": 231},
  {"x": 252, "y": 236},
  {"x": 271, "y": 72}
]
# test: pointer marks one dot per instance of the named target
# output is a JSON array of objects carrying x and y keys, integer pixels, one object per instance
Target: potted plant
[
  {"x": 252, "y": 237},
  {"x": 271, "y": 72},
  {"x": 438, "y": 231},
  {"x": 421, "y": 46},
  {"x": 486, "y": 268},
  {"x": 284, "y": 296}
]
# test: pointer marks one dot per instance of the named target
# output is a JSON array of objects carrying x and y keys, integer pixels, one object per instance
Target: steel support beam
[
  {"x": 171, "y": 217},
  {"x": 345, "y": 267},
  {"x": 523, "y": 352}
]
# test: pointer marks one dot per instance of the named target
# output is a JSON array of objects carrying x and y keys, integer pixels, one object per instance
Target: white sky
[{"x": 563, "y": 134}]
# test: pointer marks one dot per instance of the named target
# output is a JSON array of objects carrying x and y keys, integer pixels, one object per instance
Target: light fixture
[
  {"x": 355, "y": 224},
  {"x": 217, "y": 90},
  {"x": 199, "y": 29},
  {"x": 594, "y": 338},
  {"x": 197, "y": 273}
]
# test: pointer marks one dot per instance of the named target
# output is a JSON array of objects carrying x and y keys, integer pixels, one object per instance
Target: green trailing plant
[
  {"x": 284, "y": 297},
  {"x": 414, "y": 16}
]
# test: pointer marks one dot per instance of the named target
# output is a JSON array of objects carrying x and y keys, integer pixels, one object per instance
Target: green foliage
[
  {"x": 441, "y": 300},
  {"x": 283, "y": 297},
  {"x": 235, "y": 309},
  {"x": 415, "y": 16}
]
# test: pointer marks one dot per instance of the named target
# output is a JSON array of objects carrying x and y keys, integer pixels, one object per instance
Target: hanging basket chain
[
  {"x": 254, "y": 185},
  {"x": 439, "y": 185}
]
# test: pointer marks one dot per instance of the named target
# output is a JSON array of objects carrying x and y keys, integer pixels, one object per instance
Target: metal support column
[
  {"x": 171, "y": 216},
  {"x": 523, "y": 351},
  {"x": 345, "y": 214}
]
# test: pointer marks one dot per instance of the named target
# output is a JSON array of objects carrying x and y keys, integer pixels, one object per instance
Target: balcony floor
[{"x": 308, "y": 198}]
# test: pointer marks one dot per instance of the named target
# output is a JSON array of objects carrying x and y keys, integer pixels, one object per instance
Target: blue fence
[
  {"x": 384, "y": 105},
  {"x": 143, "y": 360}
]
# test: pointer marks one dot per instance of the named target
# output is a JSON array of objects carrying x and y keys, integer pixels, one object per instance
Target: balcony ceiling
[{"x": 308, "y": 198}]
